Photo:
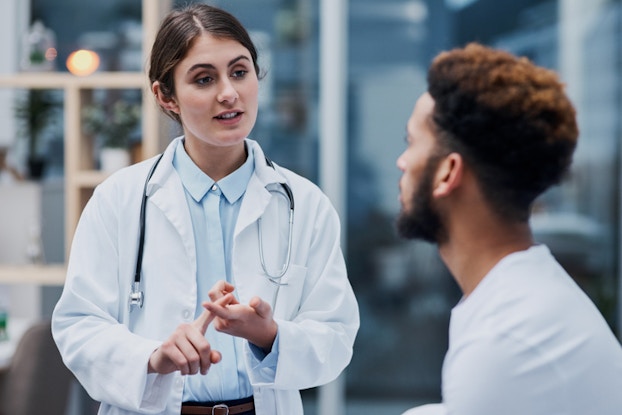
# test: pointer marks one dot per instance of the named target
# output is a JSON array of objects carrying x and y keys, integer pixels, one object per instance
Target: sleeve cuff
[{"x": 264, "y": 364}]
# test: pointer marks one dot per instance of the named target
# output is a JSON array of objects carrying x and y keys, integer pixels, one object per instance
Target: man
[{"x": 491, "y": 134}]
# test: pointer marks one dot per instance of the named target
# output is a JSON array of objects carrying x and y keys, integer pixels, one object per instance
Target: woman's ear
[
  {"x": 448, "y": 175},
  {"x": 166, "y": 102}
]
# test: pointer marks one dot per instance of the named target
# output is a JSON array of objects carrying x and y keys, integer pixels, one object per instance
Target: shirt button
[
  {"x": 186, "y": 314},
  {"x": 214, "y": 188}
]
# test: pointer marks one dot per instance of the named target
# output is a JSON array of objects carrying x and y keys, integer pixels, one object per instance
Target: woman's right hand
[{"x": 187, "y": 350}]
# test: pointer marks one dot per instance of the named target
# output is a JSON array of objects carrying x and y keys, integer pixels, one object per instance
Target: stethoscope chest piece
[{"x": 137, "y": 296}]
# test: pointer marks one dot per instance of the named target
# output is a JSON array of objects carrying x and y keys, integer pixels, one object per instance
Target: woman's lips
[{"x": 230, "y": 117}]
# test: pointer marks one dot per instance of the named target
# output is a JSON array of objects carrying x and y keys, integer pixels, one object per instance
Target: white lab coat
[{"x": 107, "y": 346}]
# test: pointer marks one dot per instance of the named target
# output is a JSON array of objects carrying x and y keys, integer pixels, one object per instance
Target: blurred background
[{"x": 382, "y": 50}]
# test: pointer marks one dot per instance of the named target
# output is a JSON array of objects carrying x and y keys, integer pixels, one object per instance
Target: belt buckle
[{"x": 220, "y": 406}]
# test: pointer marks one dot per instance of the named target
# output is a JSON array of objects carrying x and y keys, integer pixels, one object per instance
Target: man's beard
[{"x": 423, "y": 221}]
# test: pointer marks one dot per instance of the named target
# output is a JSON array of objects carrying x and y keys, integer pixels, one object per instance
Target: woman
[{"x": 215, "y": 326}]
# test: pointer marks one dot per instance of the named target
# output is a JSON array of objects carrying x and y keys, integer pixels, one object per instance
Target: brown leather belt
[{"x": 220, "y": 409}]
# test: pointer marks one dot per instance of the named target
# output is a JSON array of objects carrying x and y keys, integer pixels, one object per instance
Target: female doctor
[{"x": 211, "y": 321}]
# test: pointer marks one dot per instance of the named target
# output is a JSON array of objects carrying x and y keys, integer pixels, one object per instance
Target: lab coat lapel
[
  {"x": 166, "y": 192},
  {"x": 256, "y": 197}
]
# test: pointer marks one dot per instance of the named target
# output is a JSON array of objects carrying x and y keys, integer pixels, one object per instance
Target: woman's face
[{"x": 216, "y": 90}]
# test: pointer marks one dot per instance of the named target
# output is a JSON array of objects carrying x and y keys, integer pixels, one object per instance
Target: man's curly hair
[{"x": 510, "y": 119}]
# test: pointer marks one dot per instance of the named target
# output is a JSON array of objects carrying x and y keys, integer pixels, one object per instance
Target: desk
[{"x": 16, "y": 328}]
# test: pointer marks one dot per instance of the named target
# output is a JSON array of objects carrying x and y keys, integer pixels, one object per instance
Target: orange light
[{"x": 82, "y": 62}]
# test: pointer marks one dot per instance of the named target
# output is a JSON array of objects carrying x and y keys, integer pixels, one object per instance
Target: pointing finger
[{"x": 203, "y": 321}]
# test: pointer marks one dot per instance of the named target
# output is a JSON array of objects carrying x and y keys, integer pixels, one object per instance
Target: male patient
[{"x": 492, "y": 133}]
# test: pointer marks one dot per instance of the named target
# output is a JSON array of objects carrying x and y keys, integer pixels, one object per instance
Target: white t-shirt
[{"x": 528, "y": 341}]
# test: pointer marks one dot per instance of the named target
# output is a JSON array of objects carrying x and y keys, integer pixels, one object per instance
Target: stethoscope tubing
[
  {"x": 275, "y": 279},
  {"x": 137, "y": 296}
]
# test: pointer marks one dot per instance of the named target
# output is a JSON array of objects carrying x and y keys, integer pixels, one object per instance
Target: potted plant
[
  {"x": 114, "y": 126},
  {"x": 34, "y": 111}
]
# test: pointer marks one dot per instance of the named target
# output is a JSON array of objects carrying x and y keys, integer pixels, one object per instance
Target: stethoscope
[{"x": 137, "y": 295}]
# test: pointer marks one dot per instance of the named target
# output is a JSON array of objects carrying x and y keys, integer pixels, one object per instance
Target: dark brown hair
[
  {"x": 510, "y": 119},
  {"x": 177, "y": 33}
]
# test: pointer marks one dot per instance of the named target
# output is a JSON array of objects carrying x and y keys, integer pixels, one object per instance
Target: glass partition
[{"x": 405, "y": 292}]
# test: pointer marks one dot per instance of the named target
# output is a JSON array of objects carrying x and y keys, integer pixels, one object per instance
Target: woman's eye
[
  {"x": 239, "y": 74},
  {"x": 204, "y": 80}
]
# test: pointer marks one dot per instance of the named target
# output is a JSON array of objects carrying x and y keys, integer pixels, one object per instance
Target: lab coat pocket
[{"x": 288, "y": 296}]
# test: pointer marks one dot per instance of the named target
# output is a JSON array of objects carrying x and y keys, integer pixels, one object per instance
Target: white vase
[{"x": 112, "y": 159}]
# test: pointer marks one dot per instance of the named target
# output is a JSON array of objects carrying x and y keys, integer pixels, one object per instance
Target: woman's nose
[{"x": 227, "y": 93}]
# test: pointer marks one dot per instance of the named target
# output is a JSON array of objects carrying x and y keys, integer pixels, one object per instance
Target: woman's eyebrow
[
  {"x": 210, "y": 66},
  {"x": 236, "y": 60}
]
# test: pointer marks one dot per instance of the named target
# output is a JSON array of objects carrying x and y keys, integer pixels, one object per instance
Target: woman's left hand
[{"x": 253, "y": 322}]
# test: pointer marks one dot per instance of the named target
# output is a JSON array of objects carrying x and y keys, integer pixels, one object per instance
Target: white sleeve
[
  {"x": 497, "y": 374},
  {"x": 317, "y": 343},
  {"x": 431, "y": 409},
  {"x": 107, "y": 359}
]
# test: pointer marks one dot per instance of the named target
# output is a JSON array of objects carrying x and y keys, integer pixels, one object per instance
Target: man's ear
[
  {"x": 168, "y": 103},
  {"x": 448, "y": 175}
]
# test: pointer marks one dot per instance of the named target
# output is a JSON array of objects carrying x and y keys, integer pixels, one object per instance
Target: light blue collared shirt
[{"x": 214, "y": 208}]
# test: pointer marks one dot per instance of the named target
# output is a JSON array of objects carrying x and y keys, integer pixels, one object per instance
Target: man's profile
[{"x": 492, "y": 133}]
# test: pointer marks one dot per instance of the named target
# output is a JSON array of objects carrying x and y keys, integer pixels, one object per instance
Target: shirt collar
[{"x": 197, "y": 183}]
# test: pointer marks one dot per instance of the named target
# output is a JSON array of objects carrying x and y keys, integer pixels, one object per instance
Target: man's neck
[{"x": 471, "y": 255}]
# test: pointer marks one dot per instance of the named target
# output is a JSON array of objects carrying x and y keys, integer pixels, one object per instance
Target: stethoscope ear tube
[{"x": 136, "y": 295}]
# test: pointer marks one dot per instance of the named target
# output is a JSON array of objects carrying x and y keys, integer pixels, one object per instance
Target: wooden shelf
[
  {"x": 80, "y": 176},
  {"x": 62, "y": 80},
  {"x": 88, "y": 178},
  {"x": 33, "y": 274}
]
